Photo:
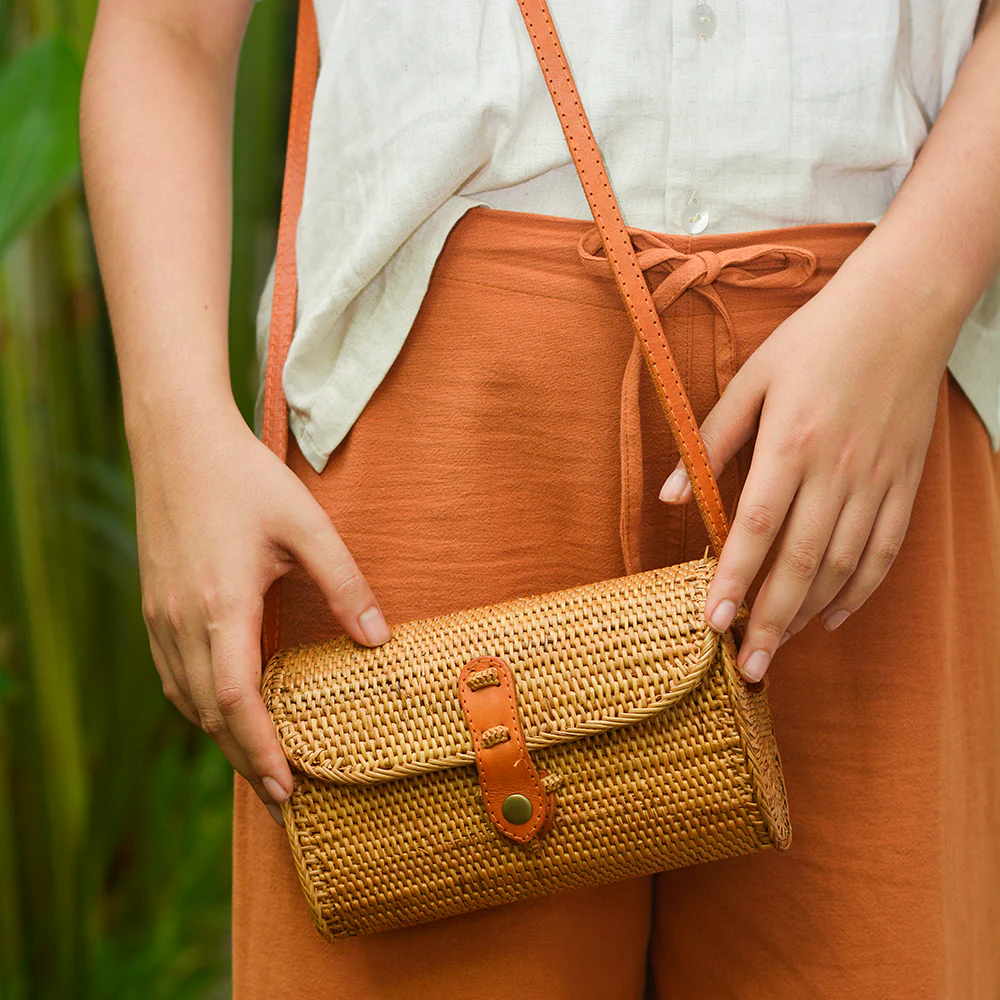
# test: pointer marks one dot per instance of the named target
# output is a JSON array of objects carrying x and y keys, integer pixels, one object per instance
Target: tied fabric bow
[{"x": 762, "y": 265}]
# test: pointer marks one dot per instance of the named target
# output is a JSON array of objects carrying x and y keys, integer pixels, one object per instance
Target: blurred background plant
[{"x": 114, "y": 812}]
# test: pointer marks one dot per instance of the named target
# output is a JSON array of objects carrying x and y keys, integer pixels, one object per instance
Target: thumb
[{"x": 725, "y": 430}]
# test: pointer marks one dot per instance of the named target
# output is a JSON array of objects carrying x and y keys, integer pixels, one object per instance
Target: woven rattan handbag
[{"x": 544, "y": 744}]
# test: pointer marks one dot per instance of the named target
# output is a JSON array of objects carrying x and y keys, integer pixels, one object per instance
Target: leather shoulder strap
[
  {"x": 285, "y": 297},
  {"x": 628, "y": 275},
  {"x": 607, "y": 215}
]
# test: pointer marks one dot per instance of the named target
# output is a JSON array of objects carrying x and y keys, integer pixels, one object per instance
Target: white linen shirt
[{"x": 762, "y": 114}]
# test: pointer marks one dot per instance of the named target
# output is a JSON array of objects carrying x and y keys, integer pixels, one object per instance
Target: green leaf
[{"x": 39, "y": 141}]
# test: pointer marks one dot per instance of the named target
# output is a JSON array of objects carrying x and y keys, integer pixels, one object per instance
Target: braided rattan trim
[
  {"x": 760, "y": 750},
  {"x": 490, "y": 677},
  {"x": 495, "y": 736}
]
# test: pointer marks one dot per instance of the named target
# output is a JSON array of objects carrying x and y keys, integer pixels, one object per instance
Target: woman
[{"x": 456, "y": 384}]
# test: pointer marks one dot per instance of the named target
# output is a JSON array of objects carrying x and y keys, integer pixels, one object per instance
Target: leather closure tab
[{"x": 510, "y": 784}]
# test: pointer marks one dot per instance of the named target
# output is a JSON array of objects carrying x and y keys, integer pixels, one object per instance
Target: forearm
[
  {"x": 938, "y": 245},
  {"x": 156, "y": 123}
]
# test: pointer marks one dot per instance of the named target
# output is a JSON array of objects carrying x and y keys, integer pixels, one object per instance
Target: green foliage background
[{"x": 114, "y": 812}]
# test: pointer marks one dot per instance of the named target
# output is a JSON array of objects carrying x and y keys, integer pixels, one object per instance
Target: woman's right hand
[{"x": 219, "y": 518}]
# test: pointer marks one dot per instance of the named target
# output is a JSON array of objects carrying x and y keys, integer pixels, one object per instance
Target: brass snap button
[{"x": 516, "y": 809}]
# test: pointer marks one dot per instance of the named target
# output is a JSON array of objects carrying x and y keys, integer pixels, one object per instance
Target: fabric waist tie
[{"x": 763, "y": 265}]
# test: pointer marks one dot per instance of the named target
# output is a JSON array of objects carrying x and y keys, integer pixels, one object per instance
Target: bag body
[{"x": 654, "y": 752}]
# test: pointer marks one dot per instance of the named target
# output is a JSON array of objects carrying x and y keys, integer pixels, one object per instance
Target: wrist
[
  {"x": 916, "y": 296},
  {"x": 155, "y": 413}
]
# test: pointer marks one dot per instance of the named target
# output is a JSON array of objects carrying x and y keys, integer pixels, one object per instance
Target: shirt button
[
  {"x": 703, "y": 20},
  {"x": 696, "y": 218}
]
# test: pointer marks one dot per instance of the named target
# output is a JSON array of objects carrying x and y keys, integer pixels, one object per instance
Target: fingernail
[
  {"x": 756, "y": 665},
  {"x": 274, "y": 789},
  {"x": 722, "y": 616},
  {"x": 672, "y": 489},
  {"x": 835, "y": 620},
  {"x": 784, "y": 639},
  {"x": 275, "y": 812},
  {"x": 374, "y": 627}
]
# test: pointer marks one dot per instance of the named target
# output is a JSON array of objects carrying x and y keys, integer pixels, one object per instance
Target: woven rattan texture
[{"x": 660, "y": 754}]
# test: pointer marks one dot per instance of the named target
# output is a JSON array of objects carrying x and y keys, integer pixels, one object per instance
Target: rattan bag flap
[{"x": 586, "y": 661}]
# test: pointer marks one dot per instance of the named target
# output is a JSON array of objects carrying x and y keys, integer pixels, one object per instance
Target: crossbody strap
[
  {"x": 286, "y": 287},
  {"x": 628, "y": 275},
  {"x": 607, "y": 216},
  {"x": 274, "y": 431}
]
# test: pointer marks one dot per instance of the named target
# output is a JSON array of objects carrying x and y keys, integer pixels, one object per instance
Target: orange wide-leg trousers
[{"x": 491, "y": 463}]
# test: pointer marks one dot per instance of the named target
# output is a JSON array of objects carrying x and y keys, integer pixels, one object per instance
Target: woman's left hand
[{"x": 842, "y": 396}]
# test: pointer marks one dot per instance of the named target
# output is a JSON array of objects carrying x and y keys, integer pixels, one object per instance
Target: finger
[
  {"x": 315, "y": 543},
  {"x": 842, "y": 556},
  {"x": 729, "y": 425},
  {"x": 174, "y": 688},
  {"x": 877, "y": 558},
  {"x": 770, "y": 488},
  {"x": 806, "y": 537},
  {"x": 167, "y": 660},
  {"x": 236, "y": 672},
  {"x": 198, "y": 668}
]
